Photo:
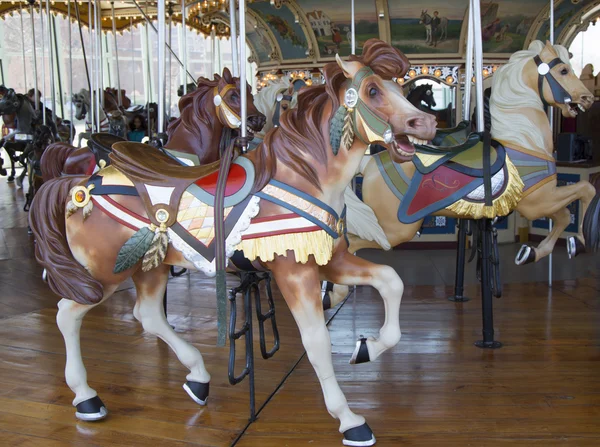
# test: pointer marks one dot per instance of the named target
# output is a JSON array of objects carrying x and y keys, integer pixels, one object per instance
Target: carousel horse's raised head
[
  {"x": 10, "y": 101},
  {"x": 422, "y": 94},
  {"x": 275, "y": 99},
  {"x": 81, "y": 101},
  {"x": 210, "y": 115}
]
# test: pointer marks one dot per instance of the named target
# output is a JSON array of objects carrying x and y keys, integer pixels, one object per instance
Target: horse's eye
[
  {"x": 564, "y": 72},
  {"x": 235, "y": 96},
  {"x": 373, "y": 92}
]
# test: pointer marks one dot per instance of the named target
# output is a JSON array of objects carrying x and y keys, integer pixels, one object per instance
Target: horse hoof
[
  {"x": 526, "y": 255},
  {"x": 574, "y": 247},
  {"x": 197, "y": 391},
  {"x": 11, "y": 179},
  {"x": 359, "y": 436},
  {"x": 91, "y": 410},
  {"x": 326, "y": 301},
  {"x": 360, "y": 355},
  {"x": 3, "y": 172},
  {"x": 19, "y": 182}
]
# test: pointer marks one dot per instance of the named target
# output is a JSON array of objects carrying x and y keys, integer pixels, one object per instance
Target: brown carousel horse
[
  {"x": 193, "y": 139},
  {"x": 284, "y": 211},
  {"x": 440, "y": 180}
]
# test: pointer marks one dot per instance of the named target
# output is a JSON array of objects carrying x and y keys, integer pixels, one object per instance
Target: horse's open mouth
[
  {"x": 404, "y": 145},
  {"x": 573, "y": 109}
]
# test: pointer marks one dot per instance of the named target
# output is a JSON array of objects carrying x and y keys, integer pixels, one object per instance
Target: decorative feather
[
  {"x": 71, "y": 208},
  {"x": 87, "y": 210},
  {"x": 134, "y": 249},
  {"x": 336, "y": 128},
  {"x": 347, "y": 132},
  {"x": 157, "y": 251}
]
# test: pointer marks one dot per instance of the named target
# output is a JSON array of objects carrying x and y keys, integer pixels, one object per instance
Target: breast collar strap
[
  {"x": 226, "y": 115},
  {"x": 560, "y": 95},
  {"x": 376, "y": 128}
]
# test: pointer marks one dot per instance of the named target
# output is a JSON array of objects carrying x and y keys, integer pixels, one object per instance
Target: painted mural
[
  {"x": 330, "y": 22},
  {"x": 505, "y": 23},
  {"x": 563, "y": 14},
  {"x": 260, "y": 43},
  {"x": 427, "y": 27},
  {"x": 282, "y": 23}
]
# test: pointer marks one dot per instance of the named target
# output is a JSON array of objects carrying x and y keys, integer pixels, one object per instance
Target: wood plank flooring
[{"x": 435, "y": 388}]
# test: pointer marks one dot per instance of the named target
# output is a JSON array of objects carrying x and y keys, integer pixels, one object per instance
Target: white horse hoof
[
  {"x": 359, "y": 436},
  {"x": 526, "y": 255},
  {"x": 197, "y": 391},
  {"x": 360, "y": 355},
  {"x": 91, "y": 410}
]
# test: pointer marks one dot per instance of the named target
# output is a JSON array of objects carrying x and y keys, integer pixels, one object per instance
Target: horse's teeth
[
  {"x": 412, "y": 139},
  {"x": 581, "y": 107}
]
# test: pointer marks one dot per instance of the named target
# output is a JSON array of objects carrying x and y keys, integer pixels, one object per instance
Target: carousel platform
[{"x": 435, "y": 388}]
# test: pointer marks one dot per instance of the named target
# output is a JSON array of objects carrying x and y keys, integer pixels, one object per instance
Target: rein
[
  {"x": 560, "y": 95},
  {"x": 276, "y": 114}
]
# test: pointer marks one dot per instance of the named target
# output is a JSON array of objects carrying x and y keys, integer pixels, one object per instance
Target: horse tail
[
  {"x": 54, "y": 158},
  {"x": 66, "y": 277},
  {"x": 591, "y": 225}
]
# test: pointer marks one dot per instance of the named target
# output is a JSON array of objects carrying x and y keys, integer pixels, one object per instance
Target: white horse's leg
[
  {"x": 150, "y": 312},
  {"x": 301, "y": 292},
  {"x": 69, "y": 319},
  {"x": 351, "y": 270}
]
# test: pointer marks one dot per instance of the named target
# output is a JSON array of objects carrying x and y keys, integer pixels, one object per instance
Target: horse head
[
  {"x": 551, "y": 74},
  {"x": 81, "y": 101},
  {"x": 424, "y": 17},
  {"x": 190, "y": 88},
  {"x": 427, "y": 96},
  {"x": 381, "y": 113},
  {"x": 9, "y": 102},
  {"x": 275, "y": 99},
  {"x": 42, "y": 138}
]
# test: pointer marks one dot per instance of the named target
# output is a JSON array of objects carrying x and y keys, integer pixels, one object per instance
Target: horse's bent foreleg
[
  {"x": 351, "y": 270},
  {"x": 69, "y": 319},
  {"x": 301, "y": 292},
  {"x": 150, "y": 312}
]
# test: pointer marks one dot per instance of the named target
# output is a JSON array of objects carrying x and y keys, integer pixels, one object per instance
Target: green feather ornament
[
  {"x": 336, "y": 129},
  {"x": 134, "y": 249}
]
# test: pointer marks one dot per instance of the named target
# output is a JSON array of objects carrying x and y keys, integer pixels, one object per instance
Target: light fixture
[
  {"x": 425, "y": 70},
  {"x": 486, "y": 72},
  {"x": 449, "y": 79},
  {"x": 412, "y": 73},
  {"x": 437, "y": 73}
]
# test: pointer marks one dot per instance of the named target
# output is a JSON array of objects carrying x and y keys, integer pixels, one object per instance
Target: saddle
[
  {"x": 161, "y": 182},
  {"x": 452, "y": 136},
  {"x": 101, "y": 146}
]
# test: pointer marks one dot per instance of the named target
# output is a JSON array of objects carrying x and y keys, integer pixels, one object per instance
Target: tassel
[
  {"x": 71, "y": 208},
  {"x": 87, "y": 210},
  {"x": 347, "y": 132},
  {"x": 157, "y": 251}
]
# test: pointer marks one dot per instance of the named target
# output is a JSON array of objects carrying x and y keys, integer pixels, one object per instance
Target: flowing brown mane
[
  {"x": 299, "y": 141},
  {"x": 195, "y": 108}
]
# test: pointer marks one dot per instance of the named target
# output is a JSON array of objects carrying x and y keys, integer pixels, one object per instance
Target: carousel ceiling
[{"x": 299, "y": 33}]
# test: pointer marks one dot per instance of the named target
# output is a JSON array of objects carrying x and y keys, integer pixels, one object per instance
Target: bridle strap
[
  {"x": 560, "y": 95},
  {"x": 222, "y": 107},
  {"x": 277, "y": 111}
]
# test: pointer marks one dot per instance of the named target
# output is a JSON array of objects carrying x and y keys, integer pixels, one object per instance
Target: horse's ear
[
  {"x": 291, "y": 89},
  {"x": 227, "y": 76},
  {"x": 217, "y": 77},
  {"x": 349, "y": 68}
]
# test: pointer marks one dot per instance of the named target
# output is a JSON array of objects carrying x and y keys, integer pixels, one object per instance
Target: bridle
[
  {"x": 560, "y": 95},
  {"x": 227, "y": 116},
  {"x": 281, "y": 96}
]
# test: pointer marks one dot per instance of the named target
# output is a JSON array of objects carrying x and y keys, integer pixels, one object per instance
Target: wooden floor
[{"x": 434, "y": 389}]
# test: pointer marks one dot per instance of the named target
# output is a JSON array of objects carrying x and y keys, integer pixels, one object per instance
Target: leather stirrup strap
[{"x": 487, "y": 176}]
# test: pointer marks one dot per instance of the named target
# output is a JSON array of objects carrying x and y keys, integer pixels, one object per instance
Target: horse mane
[
  {"x": 510, "y": 94},
  {"x": 194, "y": 108},
  {"x": 300, "y": 142}
]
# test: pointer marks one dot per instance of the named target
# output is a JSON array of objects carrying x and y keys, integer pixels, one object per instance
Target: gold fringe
[
  {"x": 316, "y": 243},
  {"x": 502, "y": 206}
]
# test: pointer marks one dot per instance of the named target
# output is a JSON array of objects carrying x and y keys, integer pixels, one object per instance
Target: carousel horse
[
  {"x": 18, "y": 140},
  {"x": 274, "y": 99},
  {"x": 422, "y": 97},
  {"x": 447, "y": 181},
  {"x": 43, "y": 136},
  {"x": 283, "y": 204},
  {"x": 197, "y": 137}
]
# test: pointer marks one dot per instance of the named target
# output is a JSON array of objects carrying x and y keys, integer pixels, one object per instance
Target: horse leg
[
  {"x": 69, "y": 318},
  {"x": 11, "y": 156},
  {"x": 301, "y": 292},
  {"x": 548, "y": 201},
  {"x": 351, "y": 270},
  {"x": 149, "y": 310}
]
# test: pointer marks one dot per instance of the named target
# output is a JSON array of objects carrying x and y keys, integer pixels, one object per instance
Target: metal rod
[
  {"x": 23, "y": 45},
  {"x": 87, "y": 70},
  {"x": 184, "y": 45},
  {"x": 148, "y": 73},
  {"x": 353, "y": 28},
  {"x": 235, "y": 61},
  {"x": 51, "y": 61},
  {"x": 169, "y": 81},
  {"x": 132, "y": 56},
  {"x": 478, "y": 63},
  {"x": 59, "y": 80},
  {"x": 43, "y": 89},
  {"x": 99, "y": 70},
  {"x": 161, "y": 65},
  {"x": 168, "y": 47},
  {"x": 213, "y": 51},
  {"x": 243, "y": 89},
  {"x": 71, "y": 126},
  {"x": 114, "y": 30},
  {"x": 551, "y": 118},
  {"x": 35, "y": 82},
  {"x": 93, "y": 92},
  {"x": 459, "y": 279},
  {"x": 468, "y": 68}
]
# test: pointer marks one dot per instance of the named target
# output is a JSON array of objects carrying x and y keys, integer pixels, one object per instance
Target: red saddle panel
[{"x": 235, "y": 181}]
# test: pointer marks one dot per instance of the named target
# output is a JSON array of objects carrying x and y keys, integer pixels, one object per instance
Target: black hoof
[
  {"x": 526, "y": 255},
  {"x": 11, "y": 179},
  {"x": 3, "y": 172},
  {"x": 326, "y": 301},
  {"x": 361, "y": 353},
  {"x": 359, "y": 436},
  {"x": 91, "y": 410},
  {"x": 574, "y": 247},
  {"x": 197, "y": 391}
]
